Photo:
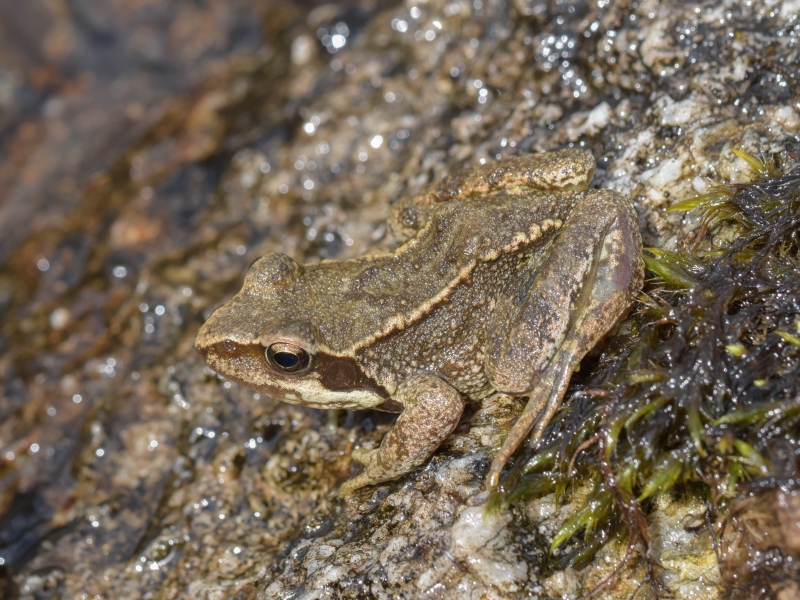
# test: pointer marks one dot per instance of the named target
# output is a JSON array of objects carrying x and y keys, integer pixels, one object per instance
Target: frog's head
[{"x": 259, "y": 339}]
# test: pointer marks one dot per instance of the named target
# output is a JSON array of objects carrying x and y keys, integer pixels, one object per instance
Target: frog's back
[{"x": 357, "y": 302}]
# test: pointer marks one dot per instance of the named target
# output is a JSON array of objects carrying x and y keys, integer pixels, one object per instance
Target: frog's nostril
[{"x": 230, "y": 346}]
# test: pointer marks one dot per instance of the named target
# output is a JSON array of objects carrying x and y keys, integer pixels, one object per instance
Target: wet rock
[{"x": 150, "y": 157}]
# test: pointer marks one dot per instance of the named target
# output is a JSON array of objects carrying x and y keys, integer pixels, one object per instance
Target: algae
[{"x": 698, "y": 392}]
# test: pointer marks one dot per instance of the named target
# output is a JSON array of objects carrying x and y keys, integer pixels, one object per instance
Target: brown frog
[{"x": 508, "y": 274}]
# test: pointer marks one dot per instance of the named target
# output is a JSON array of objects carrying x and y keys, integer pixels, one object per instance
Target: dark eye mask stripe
[{"x": 343, "y": 374}]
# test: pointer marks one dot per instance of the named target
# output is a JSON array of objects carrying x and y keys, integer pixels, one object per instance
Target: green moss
[{"x": 703, "y": 388}]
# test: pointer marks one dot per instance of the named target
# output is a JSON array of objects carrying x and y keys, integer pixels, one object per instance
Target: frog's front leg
[
  {"x": 431, "y": 411},
  {"x": 557, "y": 311}
]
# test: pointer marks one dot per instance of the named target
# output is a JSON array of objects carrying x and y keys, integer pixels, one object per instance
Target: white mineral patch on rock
[
  {"x": 664, "y": 174},
  {"x": 679, "y": 113},
  {"x": 690, "y": 565},
  {"x": 789, "y": 8},
  {"x": 589, "y": 123},
  {"x": 700, "y": 185},
  {"x": 787, "y": 117},
  {"x": 540, "y": 509},
  {"x": 480, "y": 542},
  {"x": 564, "y": 584},
  {"x": 624, "y": 174},
  {"x": 730, "y": 167},
  {"x": 454, "y": 473},
  {"x": 658, "y": 51}
]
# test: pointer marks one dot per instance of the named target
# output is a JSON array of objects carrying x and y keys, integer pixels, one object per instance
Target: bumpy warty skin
[{"x": 510, "y": 273}]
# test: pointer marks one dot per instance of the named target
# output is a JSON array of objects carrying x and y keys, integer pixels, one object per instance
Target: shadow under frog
[{"x": 508, "y": 274}]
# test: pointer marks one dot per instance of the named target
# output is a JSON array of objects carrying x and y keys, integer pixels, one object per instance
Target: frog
[{"x": 505, "y": 275}]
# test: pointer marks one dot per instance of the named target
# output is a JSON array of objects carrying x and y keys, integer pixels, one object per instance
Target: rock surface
[{"x": 152, "y": 150}]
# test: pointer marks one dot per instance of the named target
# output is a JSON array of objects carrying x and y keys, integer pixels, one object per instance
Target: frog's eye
[{"x": 287, "y": 358}]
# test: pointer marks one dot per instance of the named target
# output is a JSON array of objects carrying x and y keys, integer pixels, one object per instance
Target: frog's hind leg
[{"x": 558, "y": 310}]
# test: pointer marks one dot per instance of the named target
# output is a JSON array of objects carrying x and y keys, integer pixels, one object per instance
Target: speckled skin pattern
[{"x": 510, "y": 273}]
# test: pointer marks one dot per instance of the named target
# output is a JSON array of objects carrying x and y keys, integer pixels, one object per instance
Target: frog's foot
[
  {"x": 543, "y": 403},
  {"x": 351, "y": 485},
  {"x": 361, "y": 455},
  {"x": 432, "y": 409}
]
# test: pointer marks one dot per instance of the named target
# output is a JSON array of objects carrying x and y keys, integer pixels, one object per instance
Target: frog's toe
[
  {"x": 351, "y": 485},
  {"x": 367, "y": 458},
  {"x": 363, "y": 456}
]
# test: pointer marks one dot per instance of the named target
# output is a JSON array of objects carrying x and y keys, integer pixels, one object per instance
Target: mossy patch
[{"x": 699, "y": 388}]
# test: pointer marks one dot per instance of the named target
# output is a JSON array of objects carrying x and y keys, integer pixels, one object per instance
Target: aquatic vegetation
[{"x": 699, "y": 391}]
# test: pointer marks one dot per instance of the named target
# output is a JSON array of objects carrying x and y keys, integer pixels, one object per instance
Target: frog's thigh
[
  {"x": 586, "y": 284},
  {"x": 432, "y": 409},
  {"x": 588, "y": 280}
]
